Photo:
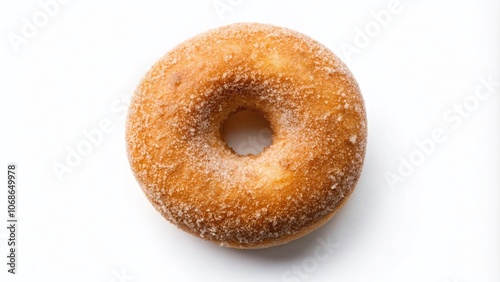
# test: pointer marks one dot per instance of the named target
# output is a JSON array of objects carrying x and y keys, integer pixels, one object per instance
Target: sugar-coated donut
[{"x": 192, "y": 177}]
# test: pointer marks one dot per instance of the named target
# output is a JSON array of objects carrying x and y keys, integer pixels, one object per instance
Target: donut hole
[{"x": 246, "y": 132}]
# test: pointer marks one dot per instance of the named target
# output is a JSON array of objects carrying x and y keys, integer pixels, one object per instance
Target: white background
[{"x": 94, "y": 223}]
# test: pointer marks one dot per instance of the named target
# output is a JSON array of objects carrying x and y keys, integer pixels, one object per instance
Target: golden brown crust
[{"x": 195, "y": 181}]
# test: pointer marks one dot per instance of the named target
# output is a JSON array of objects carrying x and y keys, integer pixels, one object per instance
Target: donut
[{"x": 197, "y": 182}]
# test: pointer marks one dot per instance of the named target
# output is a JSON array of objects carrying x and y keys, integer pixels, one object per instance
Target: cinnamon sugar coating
[{"x": 194, "y": 180}]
